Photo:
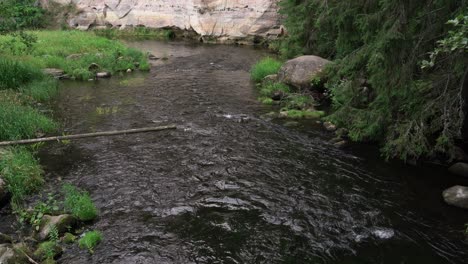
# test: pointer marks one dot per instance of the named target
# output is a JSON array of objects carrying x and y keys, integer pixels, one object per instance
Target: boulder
[
  {"x": 61, "y": 222},
  {"x": 300, "y": 71},
  {"x": 456, "y": 196},
  {"x": 460, "y": 169},
  {"x": 54, "y": 72}
]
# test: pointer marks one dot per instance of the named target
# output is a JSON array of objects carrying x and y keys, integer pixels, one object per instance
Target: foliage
[
  {"x": 308, "y": 114},
  {"x": 20, "y": 121},
  {"x": 68, "y": 238},
  {"x": 20, "y": 14},
  {"x": 379, "y": 91},
  {"x": 268, "y": 88},
  {"x": 47, "y": 250},
  {"x": 79, "y": 203},
  {"x": 34, "y": 216},
  {"x": 21, "y": 172},
  {"x": 41, "y": 90},
  {"x": 90, "y": 240},
  {"x": 263, "y": 68}
]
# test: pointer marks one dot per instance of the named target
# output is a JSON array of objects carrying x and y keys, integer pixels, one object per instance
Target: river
[{"x": 229, "y": 186}]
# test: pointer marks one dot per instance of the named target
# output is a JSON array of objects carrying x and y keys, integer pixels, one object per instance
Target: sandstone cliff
[{"x": 217, "y": 18}]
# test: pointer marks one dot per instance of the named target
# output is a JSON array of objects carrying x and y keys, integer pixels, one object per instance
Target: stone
[
  {"x": 129, "y": 70},
  {"x": 283, "y": 114},
  {"x": 341, "y": 144},
  {"x": 456, "y": 196},
  {"x": 103, "y": 75},
  {"x": 278, "y": 95},
  {"x": 7, "y": 254},
  {"x": 94, "y": 67},
  {"x": 61, "y": 222},
  {"x": 460, "y": 169},
  {"x": 5, "y": 239},
  {"x": 329, "y": 126},
  {"x": 214, "y": 18},
  {"x": 54, "y": 72},
  {"x": 300, "y": 71},
  {"x": 270, "y": 78}
]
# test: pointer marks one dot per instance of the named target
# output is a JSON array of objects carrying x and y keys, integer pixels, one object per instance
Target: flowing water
[{"x": 231, "y": 187}]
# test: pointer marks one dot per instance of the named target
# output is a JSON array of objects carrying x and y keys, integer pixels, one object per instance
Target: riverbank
[{"x": 31, "y": 62}]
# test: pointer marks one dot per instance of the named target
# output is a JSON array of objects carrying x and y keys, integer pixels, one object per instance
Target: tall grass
[
  {"x": 90, "y": 240},
  {"x": 21, "y": 172},
  {"x": 79, "y": 203},
  {"x": 14, "y": 74},
  {"x": 20, "y": 121},
  {"x": 41, "y": 90},
  {"x": 263, "y": 68}
]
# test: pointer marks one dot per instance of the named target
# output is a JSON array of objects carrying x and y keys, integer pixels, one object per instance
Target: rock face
[
  {"x": 300, "y": 71},
  {"x": 456, "y": 196},
  {"x": 231, "y": 18}
]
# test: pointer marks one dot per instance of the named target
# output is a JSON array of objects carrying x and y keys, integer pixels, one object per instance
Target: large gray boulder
[
  {"x": 300, "y": 71},
  {"x": 456, "y": 196},
  {"x": 460, "y": 169}
]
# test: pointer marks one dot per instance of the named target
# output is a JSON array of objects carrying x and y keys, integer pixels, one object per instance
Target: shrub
[
  {"x": 21, "y": 172},
  {"x": 79, "y": 203},
  {"x": 263, "y": 68},
  {"x": 90, "y": 240},
  {"x": 20, "y": 14},
  {"x": 18, "y": 121}
]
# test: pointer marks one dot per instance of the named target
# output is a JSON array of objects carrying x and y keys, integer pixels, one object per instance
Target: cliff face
[{"x": 217, "y": 18}]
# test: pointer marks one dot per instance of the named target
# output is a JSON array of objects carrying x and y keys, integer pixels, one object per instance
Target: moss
[
  {"x": 68, "y": 238},
  {"x": 90, "y": 240}
]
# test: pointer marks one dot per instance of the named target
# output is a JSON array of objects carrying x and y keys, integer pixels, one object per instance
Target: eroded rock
[
  {"x": 456, "y": 196},
  {"x": 300, "y": 71}
]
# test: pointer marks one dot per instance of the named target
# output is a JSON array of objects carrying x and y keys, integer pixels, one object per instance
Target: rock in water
[
  {"x": 456, "y": 196},
  {"x": 61, "y": 222},
  {"x": 460, "y": 169},
  {"x": 103, "y": 75},
  {"x": 300, "y": 71}
]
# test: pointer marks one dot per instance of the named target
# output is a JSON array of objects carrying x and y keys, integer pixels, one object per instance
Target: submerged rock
[
  {"x": 460, "y": 169},
  {"x": 300, "y": 71},
  {"x": 61, "y": 222},
  {"x": 456, "y": 196}
]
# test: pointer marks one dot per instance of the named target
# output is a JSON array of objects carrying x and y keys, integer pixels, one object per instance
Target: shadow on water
[{"x": 230, "y": 187}]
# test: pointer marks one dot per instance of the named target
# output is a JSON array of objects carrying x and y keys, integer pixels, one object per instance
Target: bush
[
  {"x": 90, "y": 240},
  {"x": 21, "y": 172},
  {"x": 263, "y": 68},
  {"x": 79, "y": 203},
  {"x": 20, "y": 14},
  {"x": 18, "y": 121}
]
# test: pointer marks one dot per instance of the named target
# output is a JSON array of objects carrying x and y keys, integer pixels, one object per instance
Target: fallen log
[{"x": 88, "y": 135}]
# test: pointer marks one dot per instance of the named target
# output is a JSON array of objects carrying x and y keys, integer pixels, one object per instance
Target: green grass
[
  {"x": 90, "y": 240},
  {"x": 267, "y": 89},
  {"x": 41, "y": 90},
  {"x": 79, "y": 203},
  {"x": 263, "y": 68},
  {"x": 21, "y": 172},
  {"x": 14, "y": 73},
  {"x": 47, "y": 250},
  {"x": 298, "y": 101},
  {"x": 307, "y": 114},
  {"x": 20, "y": 121},
  {"x": 53, "y": 47}
]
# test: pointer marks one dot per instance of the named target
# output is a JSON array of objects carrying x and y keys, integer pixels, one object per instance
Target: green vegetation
[
  {"x": 308, "y": 114},
  {"x": 265, "y": 67},
  {"x": 20, "y": 14},
  {"x": 79, "y": 203},
  {"x": 21, "y": 172},
  {"x": 68, "y": 238},
  {"x": 79, "y": 54},
  {"x": 90, "y": 240},
  {"x": 136, "y": 32},
  {"x": 47, "y": 250},
  {"x": 399, "y": 68}
]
